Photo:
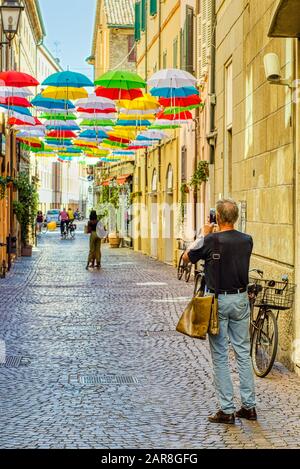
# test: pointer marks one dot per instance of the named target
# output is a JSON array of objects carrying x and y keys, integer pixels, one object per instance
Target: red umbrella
[
  {"x": 118, "y": 94},
  {"x": 14, "y": 121},
  {"x": 185, "y": 115},
  {"x": 119, "y": 139},
  {"x": 180, "y": 102},
  {"x": 97, "y": 111},
  {"x": 14, "y": 101},
  {"x": 61, "y": 134},
  {"x": 17, "y": 79}
]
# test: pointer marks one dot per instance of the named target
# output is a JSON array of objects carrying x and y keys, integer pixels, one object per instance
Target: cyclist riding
[{"x": 64, "y": 220}]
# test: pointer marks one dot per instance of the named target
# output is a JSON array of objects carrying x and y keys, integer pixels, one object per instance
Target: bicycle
[
  {"x": 69, "y": 230},
  {"x": 44, "y": 227},
  {"x": 199, "y": 287},
  {"x": 183, "y": 267},
  {"x": 267, "y": 295}
]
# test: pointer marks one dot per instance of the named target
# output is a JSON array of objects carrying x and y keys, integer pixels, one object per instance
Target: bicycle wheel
[
  {"x": 187, "y": 272},
  {"x": 264, "y": 344},
  {"x": 72, "y": 234},
  {"x": 181, "y": 267}
]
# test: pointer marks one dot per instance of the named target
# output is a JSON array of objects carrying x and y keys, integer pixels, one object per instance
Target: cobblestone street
[{"x": 102, "y": 366}]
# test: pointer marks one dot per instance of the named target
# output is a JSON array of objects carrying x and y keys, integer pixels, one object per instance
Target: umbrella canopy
[
  {"x": 61, "y": 134},
  {"x": 64, "y": 93},
  {"x": 17, "y": 79},
  {"x": 96, "y": 116},
  {"x": 180, "y": 116},
  {"x": 95, "y": 102},
  {"x": 50, "y": 103},
  {"x": 15, "y": 101},
  {"x": 97, "y": 111},
  {"x": 146, "y": 103},
  {"x": 153, "y": 135},
  {"x": 21, "y": 119},
  {"x": 172, "y": 78},
  {"x": 58, "y": 117},
  {"x": 117, "y": 94},
  {"x": 174, "y": 92},
  {"x": 67, "y": 79},
  {"x": 121, "y": 79},
  {"x": 18, "y": 109},
  {"x": 93, "y": 134},
  {"x": 181, "y": 102},
  {"x": 31, "y": 133},
  {"x": 8, "y": 91}
]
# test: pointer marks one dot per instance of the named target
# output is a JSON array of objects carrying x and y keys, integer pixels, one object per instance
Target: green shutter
[
  {"x": 153, "y": 7},
  {"x": 137, "y": 28},
  {"x": 143, "y": 15}
]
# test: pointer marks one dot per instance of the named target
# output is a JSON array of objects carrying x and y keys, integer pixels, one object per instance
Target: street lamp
[{"x": 10, "y": 18}]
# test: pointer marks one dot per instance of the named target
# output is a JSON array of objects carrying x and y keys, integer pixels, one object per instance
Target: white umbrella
[
  {"x": 95, "y": 102},
  {"x": 96, "y": 127},
  {"x": 29, "y": 128},
  {"x": 154, "y": 134},
  {"x": 21, "y": 117},
  {"x": 30, "y": 133},
  {"x": 59, "y": 123},
  {"x": 172, "y": 78},
  {"x": 135, "y": 112},
  {"x": 92, "y": 117},
  {"x": 53, "y": 111},
  {"x": 8, "y": 91}
]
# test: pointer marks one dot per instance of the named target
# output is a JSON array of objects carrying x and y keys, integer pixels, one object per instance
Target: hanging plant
[
  {"x": 4, "y": 182},
  {"x": 27, "y": 205},
  {"x": 200, "y": 175}
]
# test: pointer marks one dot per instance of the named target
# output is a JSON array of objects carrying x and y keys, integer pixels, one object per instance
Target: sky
[{"x": 69, "y": 27}]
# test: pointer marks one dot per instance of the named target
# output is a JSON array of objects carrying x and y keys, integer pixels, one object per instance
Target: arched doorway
[
  {"x": 154, "y": 215},
  {"x": 168, "y": 217}
]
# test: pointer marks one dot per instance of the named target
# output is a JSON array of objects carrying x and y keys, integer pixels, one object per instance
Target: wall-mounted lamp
[
  {"x": 272, "y": 71},
  {"x": 10, "y": 18}
]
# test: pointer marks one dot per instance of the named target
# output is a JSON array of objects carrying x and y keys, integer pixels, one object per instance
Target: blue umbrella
[
  {"x": 21, "y": 110},
  {"x": 93, "y": 134},
  {"x": 68, "y": 79},
  {"x": 49, "y": 103},
  {"x": 57, "y": 127},
  {"x": 174, "y": 92},
  {"x": 133, "y": 123}
]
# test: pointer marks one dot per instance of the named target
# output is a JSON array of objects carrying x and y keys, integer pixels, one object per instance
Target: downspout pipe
[{"x": 212, "y": 92}]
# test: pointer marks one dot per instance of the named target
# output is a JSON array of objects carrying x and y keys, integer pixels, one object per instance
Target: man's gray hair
[{"x": 228, "y": 211}]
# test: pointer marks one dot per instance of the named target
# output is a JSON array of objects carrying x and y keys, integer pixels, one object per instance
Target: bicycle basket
[{"x": 274, "y": 295}]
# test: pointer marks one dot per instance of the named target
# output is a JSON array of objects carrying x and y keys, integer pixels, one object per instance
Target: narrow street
[{"x": 101, "y": 365}]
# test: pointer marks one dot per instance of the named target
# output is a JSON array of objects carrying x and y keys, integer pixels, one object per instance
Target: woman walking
[
  {"x": 39, "y": 221},
  {"x": 95, "y": 242}
]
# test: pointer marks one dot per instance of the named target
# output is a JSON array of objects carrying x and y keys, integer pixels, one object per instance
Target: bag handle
[{"x": 217, "y": 264}]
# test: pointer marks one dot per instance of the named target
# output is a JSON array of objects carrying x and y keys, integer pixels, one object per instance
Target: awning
[
  {"x": 123, "y": 179},
  {"x": 286, "y": 19}
]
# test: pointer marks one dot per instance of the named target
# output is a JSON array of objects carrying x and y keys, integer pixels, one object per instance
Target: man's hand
[
  {"x": 208, "y": 229},
  {"x": 186, "y": 258}
]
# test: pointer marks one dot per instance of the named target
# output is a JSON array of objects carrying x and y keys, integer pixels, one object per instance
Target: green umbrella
[
  {"x": 97, "y": 123},
  {"x": 177, "y": 110},
  {"x": 121, "y": 79},
  {"x": 59, "y": 117},
  {"x": 164, "y": 126}
]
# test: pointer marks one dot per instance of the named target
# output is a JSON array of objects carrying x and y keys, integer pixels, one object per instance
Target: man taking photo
[{"x": 235, "y": 250}]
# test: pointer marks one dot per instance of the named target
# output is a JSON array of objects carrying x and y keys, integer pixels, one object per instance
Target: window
[
  {"x": 183, "y": 163},
  {"x": 175, "y": 53},
  {"x": 154, "y": 181},
  {"x": 204, "y": 36},
  {"x": 131, "y": 48},
  {"x": 137, "y": 27},
  {"x": 153, "y": 7},
  {"x": 228, "y": 130},
  {"x": 170, "y": 178}
]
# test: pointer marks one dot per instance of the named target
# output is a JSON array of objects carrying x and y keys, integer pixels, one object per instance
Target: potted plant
[
  {"x": 25, "y": 209},
  {"x": 200, "y": 175},
  {"x": 114, "y": 199}
]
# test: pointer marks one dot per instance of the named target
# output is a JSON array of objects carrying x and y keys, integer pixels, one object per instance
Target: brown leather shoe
[
  {"x": 221, "y": 417},
  {"x": 249, "y": 414}
]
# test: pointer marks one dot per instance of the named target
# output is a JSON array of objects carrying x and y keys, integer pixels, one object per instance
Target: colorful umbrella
[
  {"x": 186, "y": 115},
  {"x": 8, "y": 91},
  {"x": 181, "y": 102},
  {"x": 93, "y": 134},
  {"x": 50, "y": 103},
  {"x": 172, "y": 78},
  {"x": 17, "y": 79},
  {"x": 67, "y": 79},
  {"x": 117, "y": 94},
  {"x": 146, "y": 103},
  {"x": 95, "y": 102},
  {"x": 59, "y": 117},
  {"x": 97, "y": 111},
  {"x": 121, "y": 79},
  {"x": 174, "y": 92},
  {"x": 15, "y": 101},
  {"x": 61, "y": 134},
  {"x": 64, "y": 93}
]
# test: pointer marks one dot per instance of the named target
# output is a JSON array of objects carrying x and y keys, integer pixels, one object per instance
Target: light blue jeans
[{"x": 234, "y": 316}]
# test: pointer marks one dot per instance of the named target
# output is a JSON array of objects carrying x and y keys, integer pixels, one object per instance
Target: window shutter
[
  {"x": 153, "y": 7},
  {"x": 175, "y": 53},
  {"x": 189, "y": 40},
  {"x": 137, "y": 28},
  {"x": 143, "y": 15},
  {"x": 204, "y": 32}
]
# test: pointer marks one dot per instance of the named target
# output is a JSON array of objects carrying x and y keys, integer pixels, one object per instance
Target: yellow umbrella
[
  {"x": 64, "y": 93},
  {"x": 147, "y": 102},
  {"x": 136, "y": 117},
  {"x": 122, "y": 132}
]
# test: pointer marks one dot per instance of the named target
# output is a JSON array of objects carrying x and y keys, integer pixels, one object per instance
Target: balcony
[{"x": 286, "y": 19}]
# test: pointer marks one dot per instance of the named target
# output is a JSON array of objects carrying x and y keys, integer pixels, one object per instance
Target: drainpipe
[{"x": 212, "y": 93}]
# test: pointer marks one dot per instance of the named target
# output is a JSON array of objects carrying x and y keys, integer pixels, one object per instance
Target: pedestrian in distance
[
  {"x": 71, "y": 215},
  {"x": 64, "y": 219},
  {"x": 39, "y": 221},
  {"x": 234, "y": 252},
  {"x": 95, "y": 242}
]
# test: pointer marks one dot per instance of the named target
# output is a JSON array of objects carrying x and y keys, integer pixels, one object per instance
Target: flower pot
[
  {"x": 26, "y": 251},
  {"x": 114, "y": 240}
]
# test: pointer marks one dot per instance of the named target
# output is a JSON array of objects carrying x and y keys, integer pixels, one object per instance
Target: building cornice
[{"x": 35, "y": 17}]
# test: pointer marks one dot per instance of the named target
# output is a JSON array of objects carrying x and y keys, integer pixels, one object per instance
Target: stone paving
[{"x": 103, "y": 368}]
